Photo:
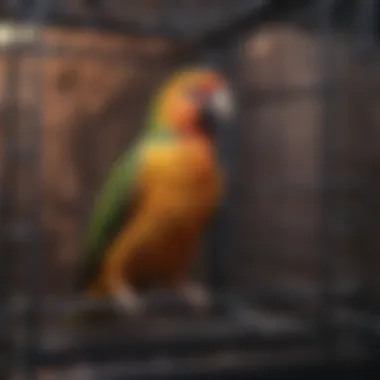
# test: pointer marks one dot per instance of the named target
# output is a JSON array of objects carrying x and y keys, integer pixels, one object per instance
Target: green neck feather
[{"x": 155, "y": 127}]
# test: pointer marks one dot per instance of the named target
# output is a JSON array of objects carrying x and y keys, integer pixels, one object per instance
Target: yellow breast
[{"x": 183, "y": 179}]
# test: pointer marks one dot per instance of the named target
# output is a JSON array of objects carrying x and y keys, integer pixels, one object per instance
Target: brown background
[{"x": 92, "y": 107}]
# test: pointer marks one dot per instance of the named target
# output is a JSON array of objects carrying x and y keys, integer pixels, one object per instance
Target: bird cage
[{"x": 291, "y": 258}]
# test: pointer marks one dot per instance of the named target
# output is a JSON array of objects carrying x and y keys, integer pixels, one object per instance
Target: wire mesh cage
[{"x": 291, "y": 259}]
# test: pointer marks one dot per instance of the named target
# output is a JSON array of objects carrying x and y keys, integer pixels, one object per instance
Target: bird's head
[{"x": 194, "y": 100}]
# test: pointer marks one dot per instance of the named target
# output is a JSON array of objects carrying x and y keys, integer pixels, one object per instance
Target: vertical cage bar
[
  {"x": 232, "y": 145},
  {"x": 219, "y": 239},
  {"x": 34, "y": 315},
  {"x": 365, "y": 33},
  {"x": 328, "y": 146},
  {"x": 9, "y": 186}
]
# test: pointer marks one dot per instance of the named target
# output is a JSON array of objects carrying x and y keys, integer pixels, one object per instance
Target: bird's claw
[
  {"x": 128, "y": 302},
  {"x": 196, "y": 295}
]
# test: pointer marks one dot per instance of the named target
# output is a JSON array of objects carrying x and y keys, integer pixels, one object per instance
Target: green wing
[{"x": 114, "y": 202}]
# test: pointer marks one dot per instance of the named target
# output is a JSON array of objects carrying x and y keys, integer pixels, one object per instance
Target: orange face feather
[{"x": 179, "y": 104}]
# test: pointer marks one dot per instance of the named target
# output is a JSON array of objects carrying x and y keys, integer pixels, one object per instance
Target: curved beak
[{"x": 218, "y": 110}]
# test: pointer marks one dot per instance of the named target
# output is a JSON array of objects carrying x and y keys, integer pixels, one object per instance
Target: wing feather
[{"x": 113, "y": 206}]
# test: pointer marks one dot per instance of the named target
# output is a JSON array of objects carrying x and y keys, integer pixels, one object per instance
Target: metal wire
[
  {"x": 8, "y": 185},
  {"x": 366, "y": 17},
  {"x": 328, "y": 161},
  {"x": 33, "y": 316}
]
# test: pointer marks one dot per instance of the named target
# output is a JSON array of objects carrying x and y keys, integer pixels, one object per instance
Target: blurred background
[{"x": 293, "y": 259}]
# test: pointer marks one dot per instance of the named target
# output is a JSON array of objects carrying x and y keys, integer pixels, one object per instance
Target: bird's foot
[
  {"x": 128, "y": 302},
  {"x": 196, "y": 295}
]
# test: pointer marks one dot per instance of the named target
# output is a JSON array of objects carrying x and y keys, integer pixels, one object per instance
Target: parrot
[{"x": 160, "y": 195}]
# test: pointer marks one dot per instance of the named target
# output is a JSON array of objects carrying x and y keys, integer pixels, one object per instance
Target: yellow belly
[{"x": 182, "y": 189}]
